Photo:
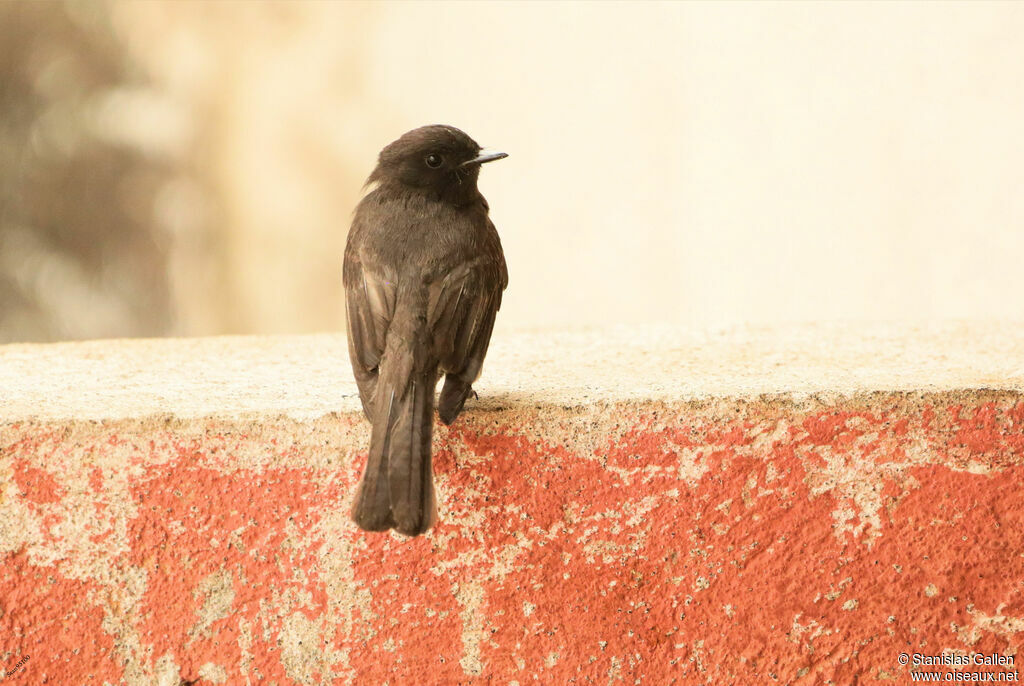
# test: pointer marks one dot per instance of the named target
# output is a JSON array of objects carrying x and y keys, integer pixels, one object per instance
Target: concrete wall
[{"x": 760, "y": 506}]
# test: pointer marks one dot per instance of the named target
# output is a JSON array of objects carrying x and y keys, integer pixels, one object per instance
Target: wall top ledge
[{"x": 305, "y": 377}]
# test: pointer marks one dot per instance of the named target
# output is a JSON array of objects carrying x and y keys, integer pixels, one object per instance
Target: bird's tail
[{"x": 397, "y": 488}]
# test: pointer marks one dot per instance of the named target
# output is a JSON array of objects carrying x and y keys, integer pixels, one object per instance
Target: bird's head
[{"x": 441, "y": 161}]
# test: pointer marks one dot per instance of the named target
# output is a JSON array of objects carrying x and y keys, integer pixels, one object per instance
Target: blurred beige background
[{"x": 188, "y": 168}]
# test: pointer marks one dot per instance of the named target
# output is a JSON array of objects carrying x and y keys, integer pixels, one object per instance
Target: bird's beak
[{"x": 484, "y": 156}]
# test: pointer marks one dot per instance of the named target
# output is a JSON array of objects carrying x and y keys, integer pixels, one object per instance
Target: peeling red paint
[
  {"x": 47, "y": 618},
  {"x": 37, "y": 485},
  {"x": 774, "y": 545},
  {"x": 232, "y": 523},
  {"x": 96, "y": 479}
]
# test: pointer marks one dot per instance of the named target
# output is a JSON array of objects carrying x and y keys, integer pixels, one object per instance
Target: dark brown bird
[{"x": 424, "y": 272}]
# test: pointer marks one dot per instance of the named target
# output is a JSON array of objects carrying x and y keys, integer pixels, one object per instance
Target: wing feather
[{"x": 369, "y": 306}]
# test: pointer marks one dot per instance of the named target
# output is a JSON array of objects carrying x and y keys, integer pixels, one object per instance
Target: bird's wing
[
  {"x": 369, "y": 308},
  {"x": 461, "y": 309}
]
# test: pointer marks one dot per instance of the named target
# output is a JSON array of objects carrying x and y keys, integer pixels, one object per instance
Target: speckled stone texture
[{"x": 793, "y": 506}]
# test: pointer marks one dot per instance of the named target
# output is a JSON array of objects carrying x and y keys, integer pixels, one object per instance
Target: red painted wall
[{"x": 727, "y": 542}]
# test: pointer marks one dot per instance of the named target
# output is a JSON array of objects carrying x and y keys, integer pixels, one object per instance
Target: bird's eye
[{"x": 434, "y": 160}]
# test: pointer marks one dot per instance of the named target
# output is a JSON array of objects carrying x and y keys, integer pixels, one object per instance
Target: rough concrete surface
[{"x": 742, "y": 507}]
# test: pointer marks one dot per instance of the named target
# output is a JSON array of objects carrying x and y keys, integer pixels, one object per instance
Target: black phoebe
[{"x": 424, "y": 272}]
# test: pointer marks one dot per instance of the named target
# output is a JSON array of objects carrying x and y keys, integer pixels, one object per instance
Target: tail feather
[
  {"x": 372, "y": 508},
  {"x": 397, "y": 489}
]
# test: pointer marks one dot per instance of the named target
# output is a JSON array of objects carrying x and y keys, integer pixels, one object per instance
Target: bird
[{"x": 424, "y": 274}]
